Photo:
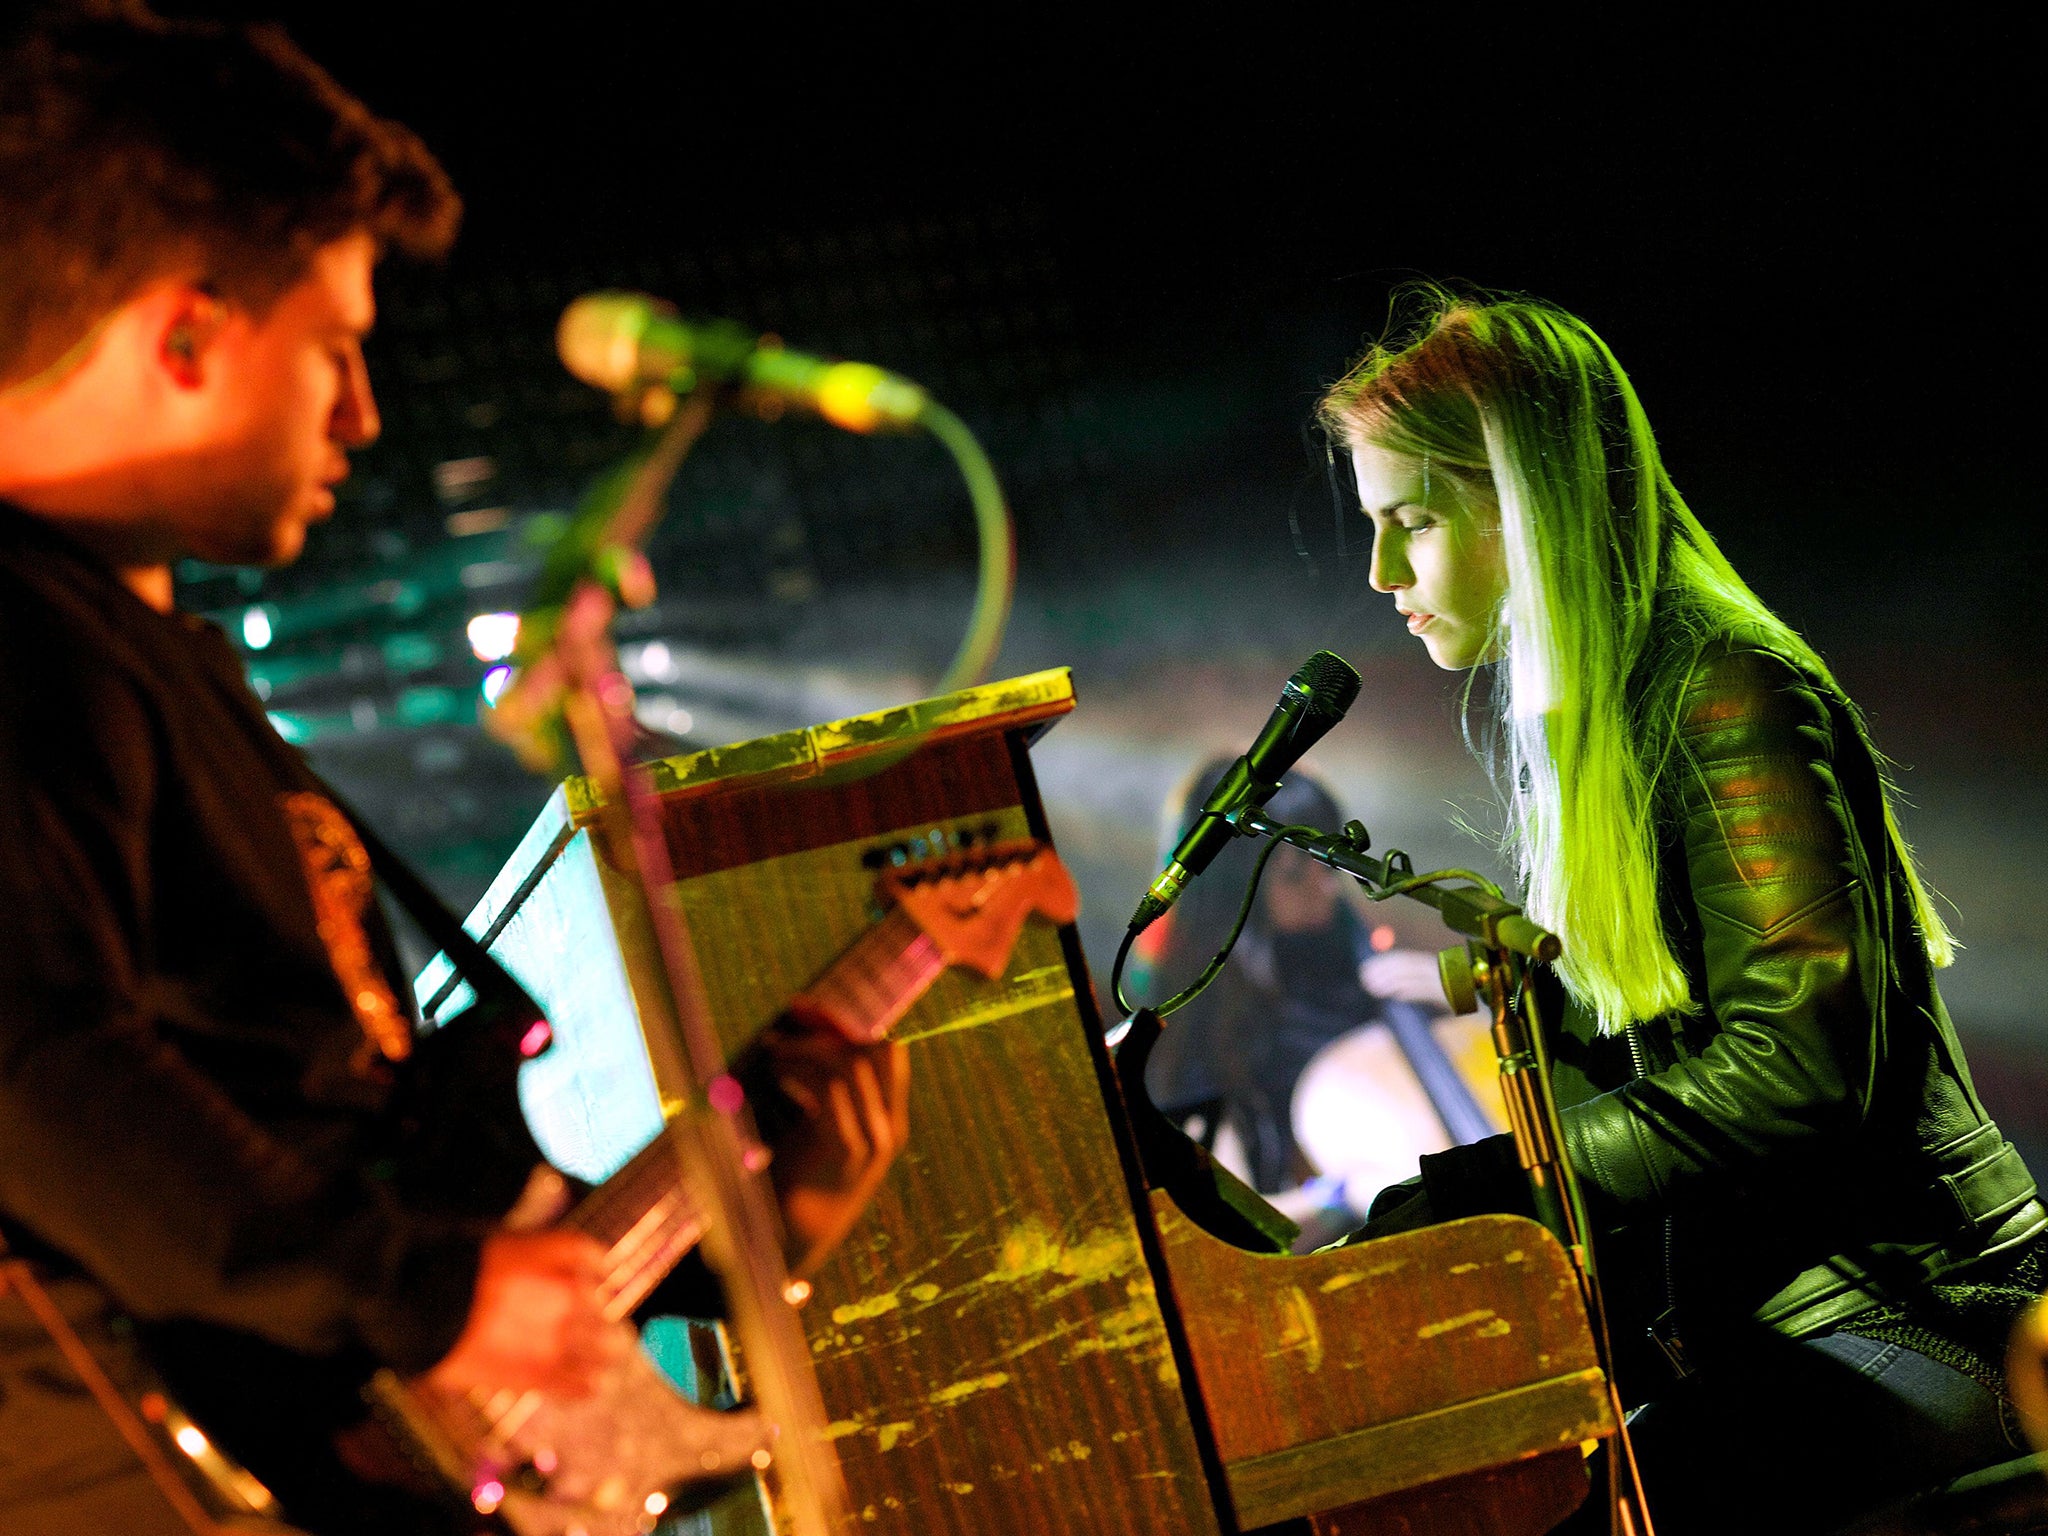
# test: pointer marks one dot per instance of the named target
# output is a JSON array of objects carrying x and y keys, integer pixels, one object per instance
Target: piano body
[{"x": 1037, "y": 1327}]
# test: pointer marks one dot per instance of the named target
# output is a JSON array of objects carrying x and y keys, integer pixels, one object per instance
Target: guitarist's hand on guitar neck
[
  {"x": 831, "y": 1093},
  {"x": 854, "y": 1103},
  {"x": 537, "y": 1320}
]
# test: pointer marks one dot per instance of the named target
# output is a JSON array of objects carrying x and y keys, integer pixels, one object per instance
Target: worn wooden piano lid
[{"x": 1035, "y": 699}]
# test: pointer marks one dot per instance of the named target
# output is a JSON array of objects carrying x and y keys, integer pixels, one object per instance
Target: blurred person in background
[{"x": 1319, "y": 1061}]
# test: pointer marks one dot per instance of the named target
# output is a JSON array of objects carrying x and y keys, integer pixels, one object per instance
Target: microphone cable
[
  {"x": 1214, "y": 968},
  {"x": 995, "y": 533}
]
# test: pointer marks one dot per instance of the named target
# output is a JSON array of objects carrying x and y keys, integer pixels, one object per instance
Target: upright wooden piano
[{"x": 1037, "y": 1328}]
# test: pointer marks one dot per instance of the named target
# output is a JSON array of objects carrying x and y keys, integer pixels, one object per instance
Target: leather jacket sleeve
[{"x": 1778, "y": 901}]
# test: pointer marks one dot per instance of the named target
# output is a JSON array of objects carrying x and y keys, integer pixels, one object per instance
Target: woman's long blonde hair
[{"x": 1613, "y": 586}]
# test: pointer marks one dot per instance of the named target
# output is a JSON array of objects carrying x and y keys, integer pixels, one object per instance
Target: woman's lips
[{"x": 1418, "y": 622}]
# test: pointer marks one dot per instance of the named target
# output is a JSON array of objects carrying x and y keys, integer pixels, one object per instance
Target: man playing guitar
[{"x": 193, "y": 1071}]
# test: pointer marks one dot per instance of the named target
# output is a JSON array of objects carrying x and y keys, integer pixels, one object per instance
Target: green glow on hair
[{"x": 1613, "y": 590}]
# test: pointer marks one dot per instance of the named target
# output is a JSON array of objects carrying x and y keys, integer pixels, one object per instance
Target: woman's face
[{"x": 1436, "y": 546}]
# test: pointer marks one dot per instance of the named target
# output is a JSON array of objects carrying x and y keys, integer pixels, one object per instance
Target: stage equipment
[
  {"x": 1058, "y": 1314},
  {"x": 711, "y": 1188},
  {"x": 546, "y": 1465},
  {"x": 1313, "y": 700},
  {"x": 627, "y": 342}
]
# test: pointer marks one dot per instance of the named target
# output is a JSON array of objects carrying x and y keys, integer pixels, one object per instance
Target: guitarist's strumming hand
[
  {"x": 536, "y": 1321},
  {"x": 830, "y": 1094},
  {"x": 855, "y": 1117}
]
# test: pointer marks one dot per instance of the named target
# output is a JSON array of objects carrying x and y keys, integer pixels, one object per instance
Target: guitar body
[
  {"x": 454, "y": 1142},
  {"x": 342, "y": 1463},
  {"x": 415, "y": 1466},
  {"x": 599, "y": 1465}
]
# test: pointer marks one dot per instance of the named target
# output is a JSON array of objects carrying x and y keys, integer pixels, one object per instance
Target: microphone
[
  {"x": 624, "y": 342},
  {"x": 1314, "y": 699}
]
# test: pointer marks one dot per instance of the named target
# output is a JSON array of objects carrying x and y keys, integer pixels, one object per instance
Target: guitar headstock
[{"x": 974, "y": 904}]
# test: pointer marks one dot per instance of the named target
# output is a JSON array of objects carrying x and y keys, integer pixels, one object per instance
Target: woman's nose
[{"x": 1388, "y": 572}]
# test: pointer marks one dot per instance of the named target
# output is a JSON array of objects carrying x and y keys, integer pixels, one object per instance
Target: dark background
[
  {"x": 1807, "y": 244},
  {"x": 1130, "y": 255},
  {"x": 1804, "y": 240}
]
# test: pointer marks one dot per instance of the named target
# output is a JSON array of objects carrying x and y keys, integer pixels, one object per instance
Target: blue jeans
[{"x": 1788, "y": 1438}]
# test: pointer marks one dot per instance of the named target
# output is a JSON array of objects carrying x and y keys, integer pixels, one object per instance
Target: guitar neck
[
  {"x": 872, "y": 985},
  {"x": 643, "y": 1216}
]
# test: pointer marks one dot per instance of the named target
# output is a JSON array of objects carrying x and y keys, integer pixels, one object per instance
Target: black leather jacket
[{"x": 1808, "y": 1144}]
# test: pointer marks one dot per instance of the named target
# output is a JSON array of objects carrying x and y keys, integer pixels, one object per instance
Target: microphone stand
[
  {"x": 1501, "y": 942},
  {"x": 573, "y": 668}
]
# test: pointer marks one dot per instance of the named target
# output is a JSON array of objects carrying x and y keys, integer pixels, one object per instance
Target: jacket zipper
[{"x": 1664, "y": 1331}]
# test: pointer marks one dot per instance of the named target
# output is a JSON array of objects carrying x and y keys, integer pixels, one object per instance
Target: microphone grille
[
  {"x": 1331, "y": 682},
  {"x": 598, "y": 338}
]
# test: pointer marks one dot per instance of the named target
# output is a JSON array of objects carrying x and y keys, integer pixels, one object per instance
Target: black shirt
[{"x": 187, "y": 1093}]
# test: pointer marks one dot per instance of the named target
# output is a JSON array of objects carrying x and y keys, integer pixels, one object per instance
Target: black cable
[
  {"x": 1116, "y": 971},
  {"x": 1214, "y": 968}
]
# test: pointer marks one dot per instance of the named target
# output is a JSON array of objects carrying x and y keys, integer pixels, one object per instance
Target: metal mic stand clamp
[{"x": 1477, "y": 974}]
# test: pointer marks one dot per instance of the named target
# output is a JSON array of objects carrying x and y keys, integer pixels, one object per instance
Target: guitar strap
[
  {"x": 492, "y": 984},
  {"x": 490, "y": 981}
]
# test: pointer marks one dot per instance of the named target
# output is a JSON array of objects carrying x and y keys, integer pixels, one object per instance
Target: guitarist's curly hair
[{"x": 134, "y": 148}]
